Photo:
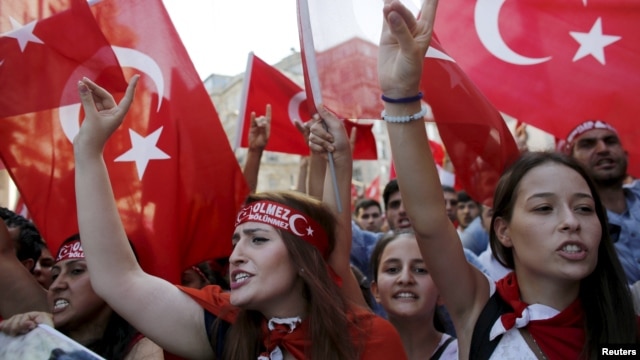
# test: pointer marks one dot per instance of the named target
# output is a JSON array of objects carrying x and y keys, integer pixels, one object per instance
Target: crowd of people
[{"x": 549, "y": 269}]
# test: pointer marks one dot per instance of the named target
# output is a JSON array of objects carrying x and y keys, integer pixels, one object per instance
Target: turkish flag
[
  {"x": 176, "y": 180},
  {"x": 339, "y": 47},
  {"x": 40, "y": 64},
  {"x": 339, "y": 50},
  {"x": 478, "y": 141},
  {"x": 373, "y": 190},
  {"x": 63, "y": 48},
  {"x": 364, "y": 147},
  {"x": 552, "y": 63},
  {"x": 264, "y": 85}
]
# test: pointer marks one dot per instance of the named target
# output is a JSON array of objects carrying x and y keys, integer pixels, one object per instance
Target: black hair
[
  {"x": 118, "y": 335},
  {"x": 390, "y": 189},
  {"x": 605, "y": 295},
  {"x": 29, "y": 243},
  {"x": 464, "y": 197},
  {"x": 376, "y": 257},
  {"x": 365, "y": 203},
  {"x": 449, "y": 189}
]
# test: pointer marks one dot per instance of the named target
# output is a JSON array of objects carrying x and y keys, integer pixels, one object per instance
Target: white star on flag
[
  {"x": 24, "y": 34},
  {"x": 593, "y": 42},
  {"x": 142, "y": 150},
  {"x": 309, "y": 231}
]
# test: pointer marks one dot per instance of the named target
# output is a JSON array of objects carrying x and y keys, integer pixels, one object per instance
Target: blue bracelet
[{"x": 404, "y": 100}]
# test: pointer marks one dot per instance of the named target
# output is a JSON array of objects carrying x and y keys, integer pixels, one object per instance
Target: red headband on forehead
[
  {"x": 287, "y": 219},
  {"x": 70, "y": 250},
  {"x": 586, "y": 127}
]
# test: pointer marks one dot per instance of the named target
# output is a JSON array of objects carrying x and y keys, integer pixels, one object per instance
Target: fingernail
[{"x": 83, "y": 87}]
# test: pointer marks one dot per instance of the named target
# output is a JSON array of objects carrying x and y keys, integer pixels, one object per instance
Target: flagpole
[
  {"x": 308, "y": 53},
  {"x": 332, "y": 170},
  {"x": 243, "y": 102}
]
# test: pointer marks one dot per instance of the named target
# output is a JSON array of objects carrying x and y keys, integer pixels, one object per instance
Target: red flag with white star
[
  {"x": 176, "y": 181},
  {"x": 264, "y": 85},
  {"x": 552, "y": 63},
  {"x": 478, "y": 142},
  {"x": 62, "y": 52},
  {"x": 41, "y": 61},
  {"x": 339, "y": 42}
]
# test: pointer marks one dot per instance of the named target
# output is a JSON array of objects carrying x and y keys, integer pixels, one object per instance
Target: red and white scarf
[{"x": 560, "y": 334}]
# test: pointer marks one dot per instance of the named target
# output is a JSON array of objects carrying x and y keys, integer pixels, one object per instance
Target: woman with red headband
[
  {"x": 78, "y": 312},
  {"x": 285, "y": 301}
]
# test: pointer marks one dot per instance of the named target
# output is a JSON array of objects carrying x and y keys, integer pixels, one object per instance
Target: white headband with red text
[{"x": 70, "y": 250}]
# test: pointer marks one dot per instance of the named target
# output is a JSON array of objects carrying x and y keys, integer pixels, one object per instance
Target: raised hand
[
  {"x": 303, "y": 128},
  {"x": 102, "y": 114},
  {"x": 260, "y": 130},
  {"x": 332, "y": 139},
  {"x": 403, "y": 44}
]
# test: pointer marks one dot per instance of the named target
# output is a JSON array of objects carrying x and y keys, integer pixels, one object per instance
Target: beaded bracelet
[
  {"x": 404, "y": 100},
  {"x": 402, "y": 119}
]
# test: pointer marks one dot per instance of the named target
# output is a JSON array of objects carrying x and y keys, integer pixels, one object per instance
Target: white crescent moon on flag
[
  {"x": 140, "y": 61},
  {"x": 294, "y": 106},
  {"x": 486, "y": 16},
  {"x": 68, "y": 114},
  {"x": 292, "y": 222}
]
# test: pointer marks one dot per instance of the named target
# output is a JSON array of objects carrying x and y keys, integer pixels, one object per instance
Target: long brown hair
[
  {"x": 605, "y": 296},
  {"x": 327, "y": 308}
]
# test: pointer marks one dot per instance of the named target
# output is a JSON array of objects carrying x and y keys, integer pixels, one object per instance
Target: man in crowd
[
  {"x": 597, "y": 147},
  {"x": 450, "y": 202},
  {"x": 467, "y": 211},
  {"x": 368, "y": 215}
]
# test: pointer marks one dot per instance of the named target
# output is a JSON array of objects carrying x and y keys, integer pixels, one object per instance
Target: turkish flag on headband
[
  {"x": 264, "y": 85},
  {"x": 552, "y": 63},
  {"x": 339, "y": 49}
]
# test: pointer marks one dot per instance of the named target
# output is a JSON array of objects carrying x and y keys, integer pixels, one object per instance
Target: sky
[{"x": 219, "y": 34}]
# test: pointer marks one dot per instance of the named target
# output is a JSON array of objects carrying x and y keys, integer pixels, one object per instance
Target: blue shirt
[
  {"x": 362, "y": 244},
  {"x": 474, "y": 237},
  {"x": 625, "y": 232}
]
